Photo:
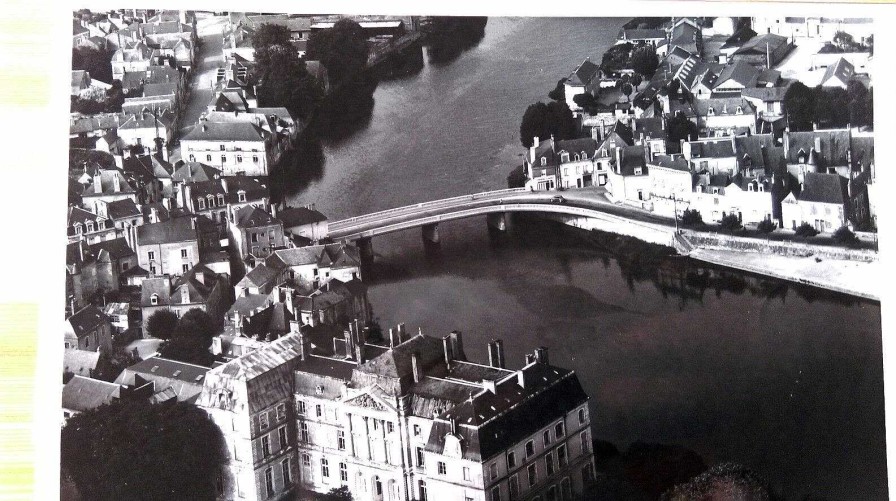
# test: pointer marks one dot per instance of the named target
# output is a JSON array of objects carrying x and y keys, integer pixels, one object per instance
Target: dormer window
[
  {"x": 211, "y": 201},
  {"x": 201, "y": 204},
  {"x": 241, "y": 196},
  {"x": 712, "y": 111},
  {"x": 544, "y": 161},
  {"x": 637, "y": 171},
  {"x": 78, "y": 228},
  {"x": 564, "y": 157},
  {"x": 154, "y": 299},
  {"x": 221, "y": 200},
  {"x": 89, "y": 226},
  {"x": 740, "y": 110},
  {"x": 750, "y": 187},
  {"x": 584, "y": 156},
  {"x": 715, "y": 191},
  {"x": 761, "y": 188}
]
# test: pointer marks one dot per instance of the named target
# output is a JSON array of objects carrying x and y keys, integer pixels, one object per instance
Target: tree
[
  {"x": 543, "y": 120},
  {"x": 860, "y": 104},
  {"x": 114, "y": 97},
  {"x": 673, "y": 87},
  {"x": 679, "y": 127},
  {"x": 627, "y": 89},
  {"x": 586, "y": 101},
  {"x": 844, "y": 236},
  {"x": 268, "y": 35},
  {"x": 636, "y": 80},
  {"x": 339, "y": 494},
  {"x": 447, "y": 37},
  {"x": 730, "y": 222},
  {"x": 616, "y": 58},
  {"x": 94, "y": 61},
  {"x": 197, "y": 323},
  {"x": 161, "y": 324},
  {"x": 342, "y": 49},
  {"x": 286, "y": 82},
  {"x": 691, "y": 218},
  {"x": 645, "y": 61},
  {"x": 191, "y": 339},
  {"x": 805, "y": 230},
  {"x": 110, "y": 365},
  {"x": 130, "y": 449},
  {"x": 559, "y": 92},
  {"x": 722, "y": 481},
  {"x": 799, "y": 104},
  {"x": 766, "y": 226}
]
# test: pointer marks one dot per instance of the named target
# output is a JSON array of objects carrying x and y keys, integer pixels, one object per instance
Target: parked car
[{"x": 557, "y": 199}]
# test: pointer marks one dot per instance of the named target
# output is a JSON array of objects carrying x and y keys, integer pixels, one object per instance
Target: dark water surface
[{"x": 784, "y": 379}]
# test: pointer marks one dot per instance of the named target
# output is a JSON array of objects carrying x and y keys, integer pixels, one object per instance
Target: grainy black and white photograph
[{"x": 385, "y": 257}]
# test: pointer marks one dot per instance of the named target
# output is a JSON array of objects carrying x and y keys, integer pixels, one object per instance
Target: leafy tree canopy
[
  {"x": 679, "y": 127},
  {"x": 799, "y": 104},
  {"x": 161, "y": 324},
  {"x": 94, "y": 61},
  {"x": 135, "y": 450},
  {"x": 342, "y": 49},
  {"x": 645, "y": 61},
  {"x": 543, "y": 120},
  {"x": 559, "y": 92}
]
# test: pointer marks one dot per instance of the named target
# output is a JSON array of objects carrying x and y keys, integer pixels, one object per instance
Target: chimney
[
  {"x": 499, "y": 352},
  {"x": 618, "y": 160},
  {"x": 349, "y": 344},
  {"x": 818, "y": 144},
  {"x": 224, "y": 184},
  {"x": 304, "y": 348},
  {"x": 193, "y": 222},
  {"x": 541, "y": 355},
  {"x": 490, "y": 386},
  {"x": 521, "y": 377},
  {"x": 274, "y": 210},
  {"x": 532, "y": 149},
  {"x": 200, "y": 276},
  {"x": 116, "y": 183},
  {"x": 492, "y": 355},
  {"x": 446, "y": 350},
  {"x": 416, "y": 370},
  {"x": 553, "y": 146},
  {"x": 97, "y": 182},
  {"x": 166, "y": 203},
  {"x": 153, "y": 215},
  {"x": 392, "y": 342},
  {"x": 453, "y": 422},
  {"x": 530, "y": 359},
  {"x": 185, "y": 294}
]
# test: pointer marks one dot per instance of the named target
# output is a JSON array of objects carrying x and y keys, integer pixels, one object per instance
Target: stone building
[{"x": 408, "y": 417}]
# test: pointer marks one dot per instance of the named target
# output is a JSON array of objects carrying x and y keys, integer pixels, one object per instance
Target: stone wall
[{"x": 797, "y": 249}]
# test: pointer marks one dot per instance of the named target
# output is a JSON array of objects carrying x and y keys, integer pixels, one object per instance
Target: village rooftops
[
  {"x": 712, "y": 148},
  {"x": 842, "y": 70},
  {"x": 830, "y": 147},
  {"x": 722, "y": 106},
  {"x": 179, "y": 229},
  {"x": 761, "y": 44},
  {"x": 674, "y": 162},
  {"x": 739, "y": 72},
  {"x": 583, "y": 74},
  {"x": 80, "y": 362},
  {"x": 298, "y": 216},
  {"x": 191, "y": 172},
  {"x": 84, "y": 393},
  {"x": 86, "y": 320},
  {"x": 253, "y": 217},
  {"x": 184, "y": 379},
  {"x": 824, "y": 188},
  {"x": 739, "y": 38},
  {"x": 117, "y": 248}
]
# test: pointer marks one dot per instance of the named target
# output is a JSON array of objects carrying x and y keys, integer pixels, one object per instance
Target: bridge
[{"x": 585, "y": 208}]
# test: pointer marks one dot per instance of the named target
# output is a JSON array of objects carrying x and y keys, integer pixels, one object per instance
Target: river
[{"x": 784, "y": 379}]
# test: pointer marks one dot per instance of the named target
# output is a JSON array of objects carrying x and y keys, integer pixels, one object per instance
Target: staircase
[{"x": 682, "y": 244}]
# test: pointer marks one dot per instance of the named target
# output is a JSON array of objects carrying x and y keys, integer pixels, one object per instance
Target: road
[{"x": 208, "y": 59}]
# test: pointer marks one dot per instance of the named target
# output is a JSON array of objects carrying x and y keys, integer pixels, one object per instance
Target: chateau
[{"x": 404, "y": 418}]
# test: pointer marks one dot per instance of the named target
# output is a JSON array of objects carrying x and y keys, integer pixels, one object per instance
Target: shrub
[
  {"x": 806, "y": 230},
  {"x": 730, "y": 222},
  {"x": 844, "y": 236},
  {"x": 766, "y": 226},
  {"x": 691, "y": 217}
]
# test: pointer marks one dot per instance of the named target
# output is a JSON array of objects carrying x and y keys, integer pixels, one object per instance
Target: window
[
  {"x": 496, "y": 493},
  {"x": 532, "y": 473},
  {"x": 343, "y": 472},
  {"x": 544, "y": 161},
  {"x": 306, "y": 460},
  {"x": 422, "y": 488},
  {"x": 514, "y": 485},
  {"x": 340, "y": 440},
  {"x": 152, "y": 269},
  {"x": 420, "y": 462},
  {"x": 740, "y": 110},
  {"x": 125, "y": 266},
  {"x": 584, "y": 438},
  {"x": 466, "y": 473},
  {"x": 300, "y": 407},
  {"x": 281, "y": 411},
  {"x": 208, "y": 158},
  {"x": 269, "y": 481},
  {"x": 711, "y": 111},
  {"x": 221, "y": 200},
  {"x": 201, "y": 204},
  {"x": 265, "y": 446},
  {"x": 546, "y": 437},
  {"x": 551, "y": 494},
  {"x": 89, "y": 226},
  {"x": 255, "y": 241},
  {"x": 255, "y": 158},
  {"x": 377, "y": 486},
  {"x": 586, "y": 473},
  {"x": 493, "y": 471},
  {"x": 284, "y": 465},
  {"x": 561, "y": 455},
  {"x": 192, "y": 158},
  {"x": 318, "y": 410},
  {"x": 239, "y": 159},
  {"x": 303, "y": 429},
  {"x": 530, "y": 448},
  {"x": 637, "y": 171},
  {"x": 211, "y": 201},
  {"x": 549, "y": 463},
  {"x": 77, "y": 228},
  {"x": 151, "y": 255},
  {"x": 442, "y": 468},
  {"x": 416, "y": 426},
  {"x": 223, "y": 159},
  {"x": 184, "y": 253},
  {"x": 324, "y": 467},
  {"x": 222, "y": 147},
  {"x": 376, "y": 424},
  {"x": 390, "y": 427},
  {"x": 511, "y": 460},
  {"x": 559, "y": 430},
  {"x": 154, "y": 299},
  {"x": 241, "y": 196},
  {"x": 185, "y": 268},
  {"x": 281, "y": 434}
]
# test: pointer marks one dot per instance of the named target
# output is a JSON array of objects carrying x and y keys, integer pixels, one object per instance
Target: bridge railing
[{"x": 421, "y": 205}]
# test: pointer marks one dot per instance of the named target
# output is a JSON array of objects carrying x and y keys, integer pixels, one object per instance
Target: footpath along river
[{"x": 787, "y": 380}]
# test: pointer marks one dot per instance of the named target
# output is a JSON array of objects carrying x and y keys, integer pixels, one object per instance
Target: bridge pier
[
  {"x": 365, "y": 248},
  {"x": 497, "y": 221},
  {"x": 431, "y": 233}
]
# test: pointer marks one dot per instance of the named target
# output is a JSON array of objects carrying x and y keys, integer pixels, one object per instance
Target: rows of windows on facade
[{"x": 406, "y": 418}]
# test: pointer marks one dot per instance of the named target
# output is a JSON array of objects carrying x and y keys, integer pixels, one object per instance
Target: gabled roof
[
  {"x": 236, "y": 131},
  {"x": 824, "y": 188},
  {"x": 722, "y": 106},
  {"x": 148, "y": 120},
  {"x": 298, "y": 216},
  {"x": 120, "y": 209},
  {"x": 184, "y": 379},
  {"x": 578, "y": 146},
  {"x": 756, "y": 148},
  {"x": 159, "y": 89},
  {"x": 842, "y": 70},
  {"x": 195, "y": 172},
  {"x": 834, "y": 146},
  {"x": 199, "y": 281},
  {"x": 757, "y": 44},
  {"x": 253, "y": 217},
  {"x": 80, "y": 362},
  {"x": 739, "y": 72},
  {"x": 158, "y": 286},
  {"x": 116, "y": 249},
  {"x": 583, "y": 74},
  {"x": 259, "y": 276},
  {"x": 712, "y": 148},
  {"x": 671, "y": 162},
  {"x": 107, "y": 184},
  {"x": 766, "y": 94},
  {"x": 632, "y": 158},
  {"x": 284, "y": 350},
  {"x": 86, "y": 320},
  {"x": 83, "y": 393}
]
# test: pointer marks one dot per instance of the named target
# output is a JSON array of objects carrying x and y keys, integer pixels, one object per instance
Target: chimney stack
[
  {"x": 193, "y": 222},
  {"x": 349, "y": 345},
  {"x": 499, "y": 351},
  {"x": 400, "y": 335},
  {"x": 457, "y": 346},
  {"x": 521, "y": 377},
  {"x": 116, "y": 183},
  {"x": 541, "y": 355},
  {"x": 446, "y": 349},
  {"x": 453, "y": 421},
  {"x": 415, "y": 367},
  {"x": 492, "y": 355},
  {"x": 532, "y": 149},
  {"x": 97, "y": 182},
  {"x": 153, "y": 215},
  {"x": 392, "y": 334},
  {"x": 818, "y": 144}
]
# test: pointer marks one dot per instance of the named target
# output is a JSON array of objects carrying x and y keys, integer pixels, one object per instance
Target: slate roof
[
  {"x": 583, "y": 74},
  {"x": 86, "y": 320},
  {"x": 247, "y": 304},
  {"x": 670, "y": 162},
  {"x": 722, "y": 106},
  {"x": 766, "y": 94},
  {"x": 91, "y": 123},
  {"x": 713, "y": 148},
  {"x": 234, "y": 131},
  {"x": 642, "y": 34},
  {"x": 768, "y": 76},
  {"x": 80, "y": 362},
  {"x": 253, "y": 217},
  {"x": 117, "y": 248},
  {"x": 83, "y": 394},
  {"x": 824, "y": 188},
  {"x": 755, "y": 146},
  {"x": 396, "y": 362},
  {"x": 757, "y": 44},
  {"x": 632, "y": 157},
  {"x": 256, "y": 363},
  {"x": 272, "y": 322},
  {"x": 160, "y": 286},
  {"x": 298, "y": 216},
  {"x": 159, "y": 89},
  {"x": 862, "y": 151},
  {"x": 177, "y": 229},
  {"x": 147, "y": 120},
  {"x": 834, "y": 146},
  {"x": 740, "y": 72},
  {"x": 185, "y": 380},
  {"x": 739, "y": 38},
  {"x": 120, "y": 209},
  {"x": 573, "y": 146},
  {"x": 195, "y": 172},
  {"x": 152, "y": 75},
  {"x": 259, "y": 276},
  {"x": 107, "y": 184},
  {"x": 842, "y": 70}
]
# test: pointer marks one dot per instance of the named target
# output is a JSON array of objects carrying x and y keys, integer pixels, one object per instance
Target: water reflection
[
  {"x": 449, "y": 37},
  {"x": 299, "y": 167},
  {"x": 406, "y": 64},
  {"x": 346, "y": 110}
]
